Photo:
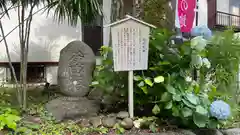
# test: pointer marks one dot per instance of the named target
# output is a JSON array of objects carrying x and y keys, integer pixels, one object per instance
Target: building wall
[
  {"x": 223, "y": 6},
  {"x": 47, "y": 38},
  {"x": 51, "y": 74},
  {"x": 229, "y": 6}
]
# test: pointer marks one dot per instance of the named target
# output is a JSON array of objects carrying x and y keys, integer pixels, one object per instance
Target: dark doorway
[{"x": 35, "y": 72}]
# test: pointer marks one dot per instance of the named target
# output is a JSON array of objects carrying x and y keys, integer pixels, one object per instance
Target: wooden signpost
[{"x": 130, "y": 44}]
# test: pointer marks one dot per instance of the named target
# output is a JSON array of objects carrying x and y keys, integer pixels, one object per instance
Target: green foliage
[
  {"x": 167, "y": 85},
  {"x": 9, "y": 117},
  {"x": 158, "y": 13},
  {"x": 113, "y": 83},
  {"x": 224, "y": 53}
]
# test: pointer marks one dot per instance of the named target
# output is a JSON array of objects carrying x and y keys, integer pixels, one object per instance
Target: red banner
[{"x": 186, "y": 14}]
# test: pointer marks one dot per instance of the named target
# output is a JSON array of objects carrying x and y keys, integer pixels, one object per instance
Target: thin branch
[
  {"x": 6, "y": 12},
  {"x": 10, "y": 61},
  {"x": 21, "y": 23}
]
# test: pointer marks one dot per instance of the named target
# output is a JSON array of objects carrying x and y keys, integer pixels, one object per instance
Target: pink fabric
[{"x": 186, "y": 14}]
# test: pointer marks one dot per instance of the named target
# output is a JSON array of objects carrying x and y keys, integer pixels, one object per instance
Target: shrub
[
  {"x": 8, "y": 115},
  {"x": 167, "y": 85}
]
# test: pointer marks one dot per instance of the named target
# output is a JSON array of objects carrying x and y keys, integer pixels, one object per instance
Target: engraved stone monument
[
  {"x": 76, "y": 64},
  {"x": 75, "y": 69}
]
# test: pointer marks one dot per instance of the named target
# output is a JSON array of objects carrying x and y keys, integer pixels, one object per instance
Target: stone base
[{"x": 64, "y": 108}]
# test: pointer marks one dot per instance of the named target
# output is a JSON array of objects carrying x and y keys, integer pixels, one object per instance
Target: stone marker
[
  {"x": 75, "y": 69},
  {"x": 72, "y": 107}
]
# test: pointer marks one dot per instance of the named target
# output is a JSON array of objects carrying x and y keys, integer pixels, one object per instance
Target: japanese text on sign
[{"x": 130, "y": 46}]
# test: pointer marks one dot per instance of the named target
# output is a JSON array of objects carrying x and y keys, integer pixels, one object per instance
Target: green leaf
[
  {"x": 196, "y": 60},
  {"x": 164, "y": 63},
  {"x": 187, "y": 103},
  {"x": 186, "y": 112},
  {"x": 144, "y": 89},
  {"x": 94, "y": 83},
  {"x": 141, "y": 84},
  {"x": 177, "y": 97},
  {"x": 175, "y": 111},
  {"x": 171, "y": 89},
  {"x": 169, "y": 105},
  {"x": 192, "y": 98},
  {"x": 156, "y": 110},
  {"x": 166, "y": 97},
  {"x": 148, "y": 82},
  {"x": 153, "y": 127},
  {"x": 159, "y": 79},
  {"x": 200, "y": 120},
  {"x": 201, "y": 110},
  {"x": 213, "y": 124},
  {"x": 137, "y": 78},
  {"x": 32, "y": 125}
]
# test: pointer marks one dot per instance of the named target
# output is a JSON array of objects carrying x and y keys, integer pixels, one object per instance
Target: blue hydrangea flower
[
  {"x": 220, "y": 110},
  {"x": 201, "y": 31},
  {"x": 196, "y": 31}
]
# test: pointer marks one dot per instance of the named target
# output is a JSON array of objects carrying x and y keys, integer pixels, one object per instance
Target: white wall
[
  {"x": 51, "y": 74},
  {"x": 203, "y": 12},
  {"x": 47, "y": 37},
  {"x": 106, "y": 20},
  {"x": 223, "y": 6},
  {"x": 3, "y": 75},
  {"x": 231, "y": 7}
]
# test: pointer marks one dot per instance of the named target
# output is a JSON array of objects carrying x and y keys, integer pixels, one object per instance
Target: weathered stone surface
[
  {"x": 85, "y": 123},
  {"x": 112, "y": 115},
  {"x": 109, "y": 122},
  {"x": 127, "y": 123},
  {"x": 96, "y": 94},
  {"x": 178, "y": 132},
  {"x": 166, "y": 133},
  {"x": 32, "y": 119},
  {"x": 75, "y": 69},
  {"x": 72, "y": 107},
  {"x": 96, "y": 121},
  {"x": 234, "y": 131},
  {"x": 184, "y": 132},
  {"x": 207, "y": 132},
  {"x": 122, "y": 115}
]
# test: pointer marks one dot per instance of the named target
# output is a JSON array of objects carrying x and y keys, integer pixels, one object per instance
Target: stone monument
[
  {"x": 75, "y": 69},
  {"x": 76, "y": 64}
]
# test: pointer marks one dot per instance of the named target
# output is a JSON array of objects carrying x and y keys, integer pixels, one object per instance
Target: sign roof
[{"x": 128, "y": 17}]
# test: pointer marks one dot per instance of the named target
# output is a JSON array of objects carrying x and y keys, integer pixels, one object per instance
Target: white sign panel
[{"x": 130, "y": 41}]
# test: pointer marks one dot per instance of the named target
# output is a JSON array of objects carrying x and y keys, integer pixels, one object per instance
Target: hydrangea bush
[
  {"x": 167, "y": 86},
  {"x": 202, "y": 30},
  {"x": 220, "y": 110}
]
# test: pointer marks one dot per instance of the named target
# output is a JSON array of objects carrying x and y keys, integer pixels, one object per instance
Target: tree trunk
[
  {"x": 24, "y": 32},
  {"x": 21, "y": 13},
  {"x": 138, "y": 8},
  {"x": 18, "y": 93},
  {"x": 117, "y": 10},
  {"x": 25, "y": 62}
]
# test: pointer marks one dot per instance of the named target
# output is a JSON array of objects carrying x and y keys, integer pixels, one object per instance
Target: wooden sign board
[
  {"x": 130, "y": 39},
  {"x": 130, "y": 43}
]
